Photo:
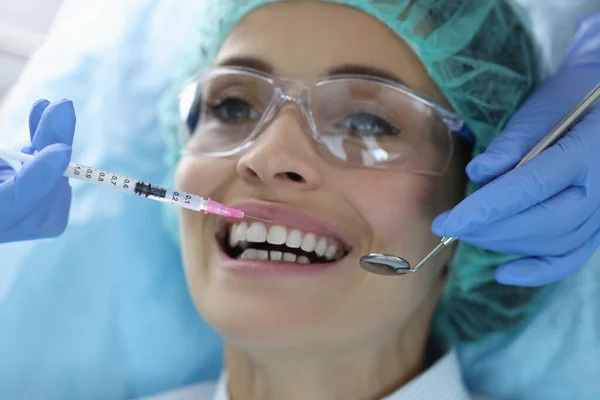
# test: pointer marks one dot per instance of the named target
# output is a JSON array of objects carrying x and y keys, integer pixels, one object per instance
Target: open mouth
[{"x": 257, "y": 241}]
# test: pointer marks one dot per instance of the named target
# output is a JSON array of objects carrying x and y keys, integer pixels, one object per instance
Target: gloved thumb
[{"x": 37, "y": 178}]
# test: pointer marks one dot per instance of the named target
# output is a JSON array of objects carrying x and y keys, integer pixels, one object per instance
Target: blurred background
[{"x": 23, "y": 26}]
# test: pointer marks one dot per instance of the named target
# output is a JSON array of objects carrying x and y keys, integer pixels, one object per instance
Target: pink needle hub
[{"x": 221, "y": 209}]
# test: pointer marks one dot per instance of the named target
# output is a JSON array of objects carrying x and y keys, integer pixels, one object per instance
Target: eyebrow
[
  {"x": 248, "y": 62},
  {"x": 345, "y": 69},
  {"x": 373, "y": 72}
]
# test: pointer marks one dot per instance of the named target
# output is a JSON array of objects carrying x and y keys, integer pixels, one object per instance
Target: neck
[
  {"x": 368, "y": 370},
  {"x": 341, "y": 374}
]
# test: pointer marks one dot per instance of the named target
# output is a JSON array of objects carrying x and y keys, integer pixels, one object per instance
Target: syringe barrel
[
  {"x": 128, "y": 185},
  {"x": 134, "y": 186},
  {"x": 99, "y": 177}
]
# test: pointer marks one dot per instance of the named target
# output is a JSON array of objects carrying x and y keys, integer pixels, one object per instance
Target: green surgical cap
[{"x": 481, "y": 56}]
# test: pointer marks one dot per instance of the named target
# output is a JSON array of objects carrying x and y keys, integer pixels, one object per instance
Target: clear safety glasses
[{"x": 362, "y": 121}]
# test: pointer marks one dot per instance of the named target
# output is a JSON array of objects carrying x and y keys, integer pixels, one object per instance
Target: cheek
[
  {"x": 203, "y": 177},
  {"x": 197, "y": 176},
  {"x": 397, "y": 209}
]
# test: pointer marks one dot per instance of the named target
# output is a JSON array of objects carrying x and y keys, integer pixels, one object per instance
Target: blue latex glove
[
  {"x": 35, "y": 202},
  {"x": 549, "y": 208}
]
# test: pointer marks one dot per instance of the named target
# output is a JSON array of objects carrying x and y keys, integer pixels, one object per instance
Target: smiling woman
[{"x": 347, "y": 132}]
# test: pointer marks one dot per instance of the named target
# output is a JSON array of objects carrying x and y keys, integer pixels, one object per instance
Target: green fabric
[{"x": 481, "y": 56}]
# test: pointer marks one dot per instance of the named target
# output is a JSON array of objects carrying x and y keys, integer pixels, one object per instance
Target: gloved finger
[
  {"x": 500, "y": 156},
  {"x": 438, "y": 226},
  {"x": 49, "y": 219},
  {"x": 540, "y": 245},
  {"x": 27, "y": 150},
  {"x": 57, "y": 213},
  {"x": 57, "y": 125},
  {"x": 6, "y": 171},
  {"x": 536, "y": 117},
  {"x": 35, "y": 115},
  {"x": 541, "y": 271},
  {"x": 534, "y": 182},
  {"x": 34, "y": 181},
  {"x": 553, "y": 227}
]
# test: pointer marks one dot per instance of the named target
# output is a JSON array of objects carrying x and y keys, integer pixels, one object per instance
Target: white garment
[{"x": 441, "y": 381}]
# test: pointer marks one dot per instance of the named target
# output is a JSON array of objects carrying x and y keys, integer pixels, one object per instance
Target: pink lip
[{"x": 288, "y": 217}]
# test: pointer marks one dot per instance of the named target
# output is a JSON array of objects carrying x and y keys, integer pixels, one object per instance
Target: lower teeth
[{"x": 255, "y": 254}]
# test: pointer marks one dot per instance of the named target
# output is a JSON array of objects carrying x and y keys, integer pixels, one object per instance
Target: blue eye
[
  {"x": 367, "y": 124},
  {"x": 234, "y": 110}
]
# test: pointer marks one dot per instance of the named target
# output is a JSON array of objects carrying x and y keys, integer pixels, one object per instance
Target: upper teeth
[{"x": 242, "y": 233}]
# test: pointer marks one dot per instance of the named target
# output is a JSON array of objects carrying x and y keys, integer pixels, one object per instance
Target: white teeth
[
  {"x": 331, "y": 250},
  {"x": 232, "y": 236},
  {"x": 249, "y": 254},
  {"x": 240, "y": 232},
  {"x": 263, "y": 255},
  {"x": 294, "y": 239},
  {"x": 302, "y": 260},
  {"x": 309, "y": 242},
  {"x": 289, "y": 257},
  {"x": 241, "y": 235},
  {"x": 321, "y": 247},
  {"x": 277, "y": 234},
  {"x": 257, "y": 233}
]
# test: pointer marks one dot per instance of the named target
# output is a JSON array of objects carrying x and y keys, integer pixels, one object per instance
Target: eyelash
[
  {"x": 383, "y": 126},
  {"x": 230, "y": 101}
]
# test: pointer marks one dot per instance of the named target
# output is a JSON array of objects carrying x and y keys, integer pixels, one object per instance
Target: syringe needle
[{"x": 258, "y": 219}]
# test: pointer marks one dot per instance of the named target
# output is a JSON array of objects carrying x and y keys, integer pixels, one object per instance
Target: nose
[{"x": 283, "y": 155}]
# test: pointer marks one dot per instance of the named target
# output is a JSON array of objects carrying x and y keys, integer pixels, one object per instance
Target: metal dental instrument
[
  {"x": 385, "y": 264},
  {"x": 140, "y": 188}
]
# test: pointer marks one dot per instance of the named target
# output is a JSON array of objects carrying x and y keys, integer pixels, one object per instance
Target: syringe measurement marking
[
  {"x": 161, "y": 193},
  {"x": 140, "y": 188},
  {"x": 94, "y": 174}
]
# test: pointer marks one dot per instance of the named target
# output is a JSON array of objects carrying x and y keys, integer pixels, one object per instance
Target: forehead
[{"x": 305, "y": 39}]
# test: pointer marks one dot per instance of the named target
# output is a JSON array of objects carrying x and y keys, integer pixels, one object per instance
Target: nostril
[
  {"x": 251, "y": 173},
  {"x": 293, "y": 176}
]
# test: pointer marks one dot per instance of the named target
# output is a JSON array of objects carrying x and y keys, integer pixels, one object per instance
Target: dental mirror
[{"x": 384, "y": 264}]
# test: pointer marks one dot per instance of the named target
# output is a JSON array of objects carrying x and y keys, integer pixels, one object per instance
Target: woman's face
[{"x": 264, "y": 303}]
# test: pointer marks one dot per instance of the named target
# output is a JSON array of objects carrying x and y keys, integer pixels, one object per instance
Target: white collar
[{"x": 441, "y": 381}]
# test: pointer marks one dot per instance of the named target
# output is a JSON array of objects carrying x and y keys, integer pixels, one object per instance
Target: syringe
[{"x": 140, "y": 188}]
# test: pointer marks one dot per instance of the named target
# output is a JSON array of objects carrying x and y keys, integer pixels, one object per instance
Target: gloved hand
[
  {"x": 35, "y": 202},
  {"x": 549, "y": 208}
]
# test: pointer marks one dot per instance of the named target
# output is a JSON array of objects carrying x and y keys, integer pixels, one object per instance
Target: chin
[
  {"x": 269, "y": 309},
  {"x": 260, "y": 315}
]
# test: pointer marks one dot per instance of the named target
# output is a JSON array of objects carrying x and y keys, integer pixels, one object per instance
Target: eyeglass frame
[{"x": 453, "y": 121}]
